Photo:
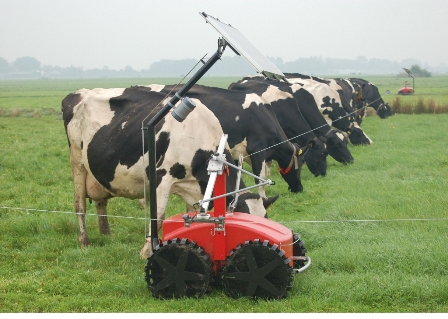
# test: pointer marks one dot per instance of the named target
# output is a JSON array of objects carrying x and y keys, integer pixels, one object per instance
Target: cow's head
[
  {"x": 337, "y": 142},
  {"x": 290, "y": 168},
  {"x": 373, "y": 97},
  {"x": 254, "y": 204},
  {"x": 358, "y": 115},
  {"x": 384, "y": 110},
  {"x": 356, "y": 135},
  {"x": 315, "y": 156}
]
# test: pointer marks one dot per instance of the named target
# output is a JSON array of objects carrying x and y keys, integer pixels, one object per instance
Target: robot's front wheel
[{"x": 178, "y": 268}]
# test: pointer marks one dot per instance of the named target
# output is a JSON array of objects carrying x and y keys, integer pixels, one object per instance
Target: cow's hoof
[{"x": 146, "y": 250}]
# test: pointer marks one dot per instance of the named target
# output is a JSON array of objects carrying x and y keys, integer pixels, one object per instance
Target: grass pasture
[{"x": 376, "y": 230}]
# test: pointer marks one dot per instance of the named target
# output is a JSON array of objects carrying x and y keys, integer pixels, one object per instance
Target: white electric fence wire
[
  {"x": 281, "y": 222},
  {"x": 348, "y": 114}
]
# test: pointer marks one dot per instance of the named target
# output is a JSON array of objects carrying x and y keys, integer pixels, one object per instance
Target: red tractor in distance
[{"x": 406, "y": 89}]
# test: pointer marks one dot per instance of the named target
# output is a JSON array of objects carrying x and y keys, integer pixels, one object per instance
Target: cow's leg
[
  {"x": 262, "y": 189},
  {"x": 99, "y": 194},
  {"x": 267, "y": 168},
  {"x": 79, "y": 180},
  {"x": 258, "y": 164},
  {"x": 163, "y": 194},
  {"x": 101, "y": 209}
]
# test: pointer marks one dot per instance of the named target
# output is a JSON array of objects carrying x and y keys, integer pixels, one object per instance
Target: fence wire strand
[{"x": 281, "y": 222}]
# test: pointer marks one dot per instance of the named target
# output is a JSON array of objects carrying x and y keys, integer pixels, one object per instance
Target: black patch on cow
[
  {"x": 162, "y": 144},
  {"x": 120, "y": 142},
  {"x": 198, "y": 163},
  {"x": 68, "y": 103},
  {"x": 252, "y": 196},
  {"x": 178, "y": 171},
  {"x": 328, "y": 102},
  {"x": 159, "y": 175},
  {"x": 241, "y": 207}
]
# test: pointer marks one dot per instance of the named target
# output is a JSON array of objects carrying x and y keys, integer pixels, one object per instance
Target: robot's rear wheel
[
  {"x": 178, "y": 268},
  {"x": 258, "y": 270},
  {"x": 298, "y": 250}
]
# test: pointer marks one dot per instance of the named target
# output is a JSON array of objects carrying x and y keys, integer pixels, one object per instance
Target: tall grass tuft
[
  {"x": 420, "y": 107},
  {"x": 432, "y": 105},
  {"x": 396, "y": 105}
]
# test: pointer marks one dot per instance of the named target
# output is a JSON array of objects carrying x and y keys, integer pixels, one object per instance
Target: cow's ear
[
  {"x": 267, "y": 202},
  {"x": 312, "y": 143}
]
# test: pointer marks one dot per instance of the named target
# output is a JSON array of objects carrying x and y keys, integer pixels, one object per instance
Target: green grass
[
  {"x": 38, "y": 94},
  {"x": 375, "y": 229},
  {"x": 34, "y": 98}
]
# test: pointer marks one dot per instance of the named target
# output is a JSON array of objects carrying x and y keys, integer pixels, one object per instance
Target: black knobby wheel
[
  {"x": 258, "y": 270},
  {"x": 298, "y": 250},
  {"x": 177, "y": 269}
]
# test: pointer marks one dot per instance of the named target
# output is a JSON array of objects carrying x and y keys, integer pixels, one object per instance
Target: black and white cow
[
  {"x": 332, "y": 107},
  {"x": 301, "y": 121},
  {"x": 291, "y": 120},
  {"x": 349, "y": 94},
  {"x": 253, "y": 130},
  {"x": 109, "y": 157},
  {"x": 371, "y": 97},
  {"x": 342, "y": 87},
  {"x": 353, "y": 94}
]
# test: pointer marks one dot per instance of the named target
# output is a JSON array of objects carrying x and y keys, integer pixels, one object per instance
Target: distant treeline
[{"x": 29, "y": 67}]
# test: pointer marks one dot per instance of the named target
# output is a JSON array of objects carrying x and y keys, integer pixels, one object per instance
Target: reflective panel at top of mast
[{"x": 245, "y": 48}]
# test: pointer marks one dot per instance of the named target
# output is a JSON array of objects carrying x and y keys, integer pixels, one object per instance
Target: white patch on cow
[
  {"x": 261, "y": 189},
  {"x": 253, "y": 204},
  {"x": 319, "y": 91},
  {"x": 251, "y": 98},
  {"x": 273, "y": 94},
  {"x": 267, "y": 168},
  {"x": 92, "y": 113},
  {"x": 334, "y": 85},
  {"x": 128, "y": 181},
  {"x": 237, "y": 118},
  {"x": 350, "y": 84},
  {"x": 340, "y": 135},
  {"x": 123, "y": 124},
  {"x": 353, "y": 92},
  {"x": 254, "y": 76},
  {"x": 295, "y": 87},
  {"x": 156, "y": 87},
  {"x": 240, "y": 148}
]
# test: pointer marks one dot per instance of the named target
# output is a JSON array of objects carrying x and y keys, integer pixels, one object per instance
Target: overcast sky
[{"x": 118, "y": 33}]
